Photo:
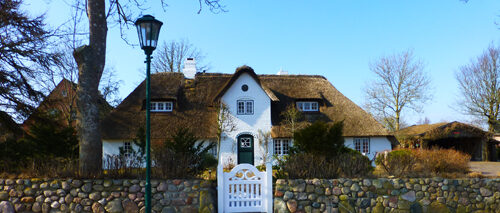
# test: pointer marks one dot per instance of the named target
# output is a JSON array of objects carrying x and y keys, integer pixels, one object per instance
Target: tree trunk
[
  {"x": 397, "y": 122},
  {"x": 91, "y": 60}
]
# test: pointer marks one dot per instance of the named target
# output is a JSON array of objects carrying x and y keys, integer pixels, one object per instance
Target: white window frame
[
  {"x": 362, "y": 145},
  {"x": 281, "y": 146},
  {"x": 167, "y": 106},
  {"x": 127, "y": 148},
  {"x": 246, "y": 108},
  {"x": 308, "y": 106}
]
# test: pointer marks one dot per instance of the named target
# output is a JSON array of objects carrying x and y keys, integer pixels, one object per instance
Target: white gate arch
[{"x": 245, "y": 189}]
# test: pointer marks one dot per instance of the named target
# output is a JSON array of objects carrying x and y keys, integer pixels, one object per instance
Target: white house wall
[
  {"x": 246, "y": 124},
  {"x": 110, "y": 148},
  {"x": 377, "y": 144}
]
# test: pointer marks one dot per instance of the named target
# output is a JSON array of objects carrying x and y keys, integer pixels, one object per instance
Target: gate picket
[{"x": 245, "y": 189}]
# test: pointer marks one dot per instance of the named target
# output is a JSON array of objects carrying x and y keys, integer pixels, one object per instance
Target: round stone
[{"x": 55, "y": 205}]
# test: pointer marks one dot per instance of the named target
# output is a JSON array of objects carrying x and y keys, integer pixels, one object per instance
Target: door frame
[{"x": 239, "y": 146}]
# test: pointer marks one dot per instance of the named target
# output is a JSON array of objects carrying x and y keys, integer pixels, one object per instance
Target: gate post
[
  {"x": 269, "y": 187},
  {"x": 220, "y": 189}
]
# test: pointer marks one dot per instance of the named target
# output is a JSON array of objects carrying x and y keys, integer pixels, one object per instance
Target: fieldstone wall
[
  {"x": 49, "y": 195},
  {"x": 388, "y": 195}
]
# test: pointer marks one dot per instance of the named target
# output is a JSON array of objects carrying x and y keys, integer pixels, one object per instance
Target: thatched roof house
[
  {"x": 195, "y": 106},
  {"x": 60, "y": 105},
  {"x": 255, "y": 102},
  {"x": 463, "y": 137}
]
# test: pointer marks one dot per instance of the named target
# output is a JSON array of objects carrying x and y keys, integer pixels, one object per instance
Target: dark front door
[{"x": 245, "y": 149}]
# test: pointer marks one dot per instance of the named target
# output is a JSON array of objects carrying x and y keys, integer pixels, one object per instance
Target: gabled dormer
[
  {"x": 310, "y": 105},
  {"x": 244, "y": 86}
]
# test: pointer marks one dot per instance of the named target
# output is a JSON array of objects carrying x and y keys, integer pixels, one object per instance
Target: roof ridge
[
  {"x": 292, "y": 75},
  {"x": 263, "y": 75}
]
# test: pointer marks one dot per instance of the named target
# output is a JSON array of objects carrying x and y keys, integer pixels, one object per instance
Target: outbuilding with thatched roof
[
  {"x": 462, "y": 137},
  {"x": 256, "y": 107}
]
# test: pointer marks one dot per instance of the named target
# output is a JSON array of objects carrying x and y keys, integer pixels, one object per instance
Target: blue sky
[{"x": 336, "y": 39}]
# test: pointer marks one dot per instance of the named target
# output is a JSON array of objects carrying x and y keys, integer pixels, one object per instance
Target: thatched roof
[
  {"x": 419, "y": 129},
  {"x": 62, "y": 99},
  {"x": 195, "y": 106},
  {"x": 442, "y": 130},
  {"x": 334, "y": 106}
]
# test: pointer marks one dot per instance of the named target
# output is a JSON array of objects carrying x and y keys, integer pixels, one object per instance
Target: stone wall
[
  {"x": 387, "y": 195},
  {"x": 49, "y": 195}
]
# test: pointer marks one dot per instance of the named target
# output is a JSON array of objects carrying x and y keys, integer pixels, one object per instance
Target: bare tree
[
  {"x": 264, "y": 138},
  {"x": 479, "y": 84},
  {"x": 171, "y": 55},
  {"x": 291, "y": 118},
  {"x": 400, "y": 84},
  {"x": 91, "y": 60},
  {"x": 424, "y": 120},
  {"x": 225, "y": 124}
]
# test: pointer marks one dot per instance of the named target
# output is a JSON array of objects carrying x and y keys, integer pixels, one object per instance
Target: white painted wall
[
  {"x": 246, "y": 124},
  {"x": 112, "y": 148},
  {"x": 377, "y": 144}
]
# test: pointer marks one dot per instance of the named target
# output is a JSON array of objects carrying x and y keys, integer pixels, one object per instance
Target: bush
[
  {"x": 424, "y": 162},
  {"x": 354, "y": 164},
  {"x": 43, "y": 143},
  {"x": 308, "y": 165},
  {"x": 397, "y": 163},
  {"x": 41, "y": 168},
  {"x": 320, "y": 138},
  {"x": 182, "y": 156},
  {"x": 319, "y": 152},
  {"x": 441, "y": 161}
]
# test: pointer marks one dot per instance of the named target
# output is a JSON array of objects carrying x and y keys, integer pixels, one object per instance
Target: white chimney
[
  {"x": 282, "y": 72},
  {"x": 189, "y": 68}
]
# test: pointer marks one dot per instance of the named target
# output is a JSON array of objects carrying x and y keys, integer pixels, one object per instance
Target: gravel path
[{"x": 486, "y": 168}]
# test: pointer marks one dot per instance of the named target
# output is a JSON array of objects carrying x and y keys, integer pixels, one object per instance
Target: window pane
[
  {"x": 168, "y": 106},
  {"x": 152, "y": 106},
  {"x": 245, "y": 143},
  {"x": 213, "y": 150},
  {"x": 241, "y": 107},
  {"x": 300, "y": 106},
  {"x": 357, "y": 145},
  {"x": 366, "y": 145},
  {"x": 286, "y": 147},
  {"x": 249, "y": 107},
  {"x": 277, "y": 147},
  {"x": 160, "y": 106},
  {"x": 314, "y": 106},
  {"x": 307, "y": 106},
  {"x": 127, "y": 148}
]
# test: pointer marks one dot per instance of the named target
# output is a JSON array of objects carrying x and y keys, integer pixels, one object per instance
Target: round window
[{"x": 244, "y": 87}]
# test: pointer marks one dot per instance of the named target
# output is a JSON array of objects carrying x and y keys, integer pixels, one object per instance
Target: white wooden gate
[{"x": 245, "y": 189}]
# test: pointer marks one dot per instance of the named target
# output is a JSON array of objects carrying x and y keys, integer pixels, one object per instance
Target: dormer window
[
  {"x": 245, "y": 107},
  {"x": 308, "y": 106},
  {"x": 163, "y": 106}
]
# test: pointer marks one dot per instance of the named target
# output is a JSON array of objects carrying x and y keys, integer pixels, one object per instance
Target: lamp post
[{"x": 148, "y": 29}]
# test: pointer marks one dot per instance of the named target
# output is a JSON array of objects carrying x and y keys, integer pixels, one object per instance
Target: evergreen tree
[{"x": 24, "y": 47}]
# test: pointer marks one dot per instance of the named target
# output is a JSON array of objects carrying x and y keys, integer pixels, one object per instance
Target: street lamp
[{"x": 148, "y": 29}]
